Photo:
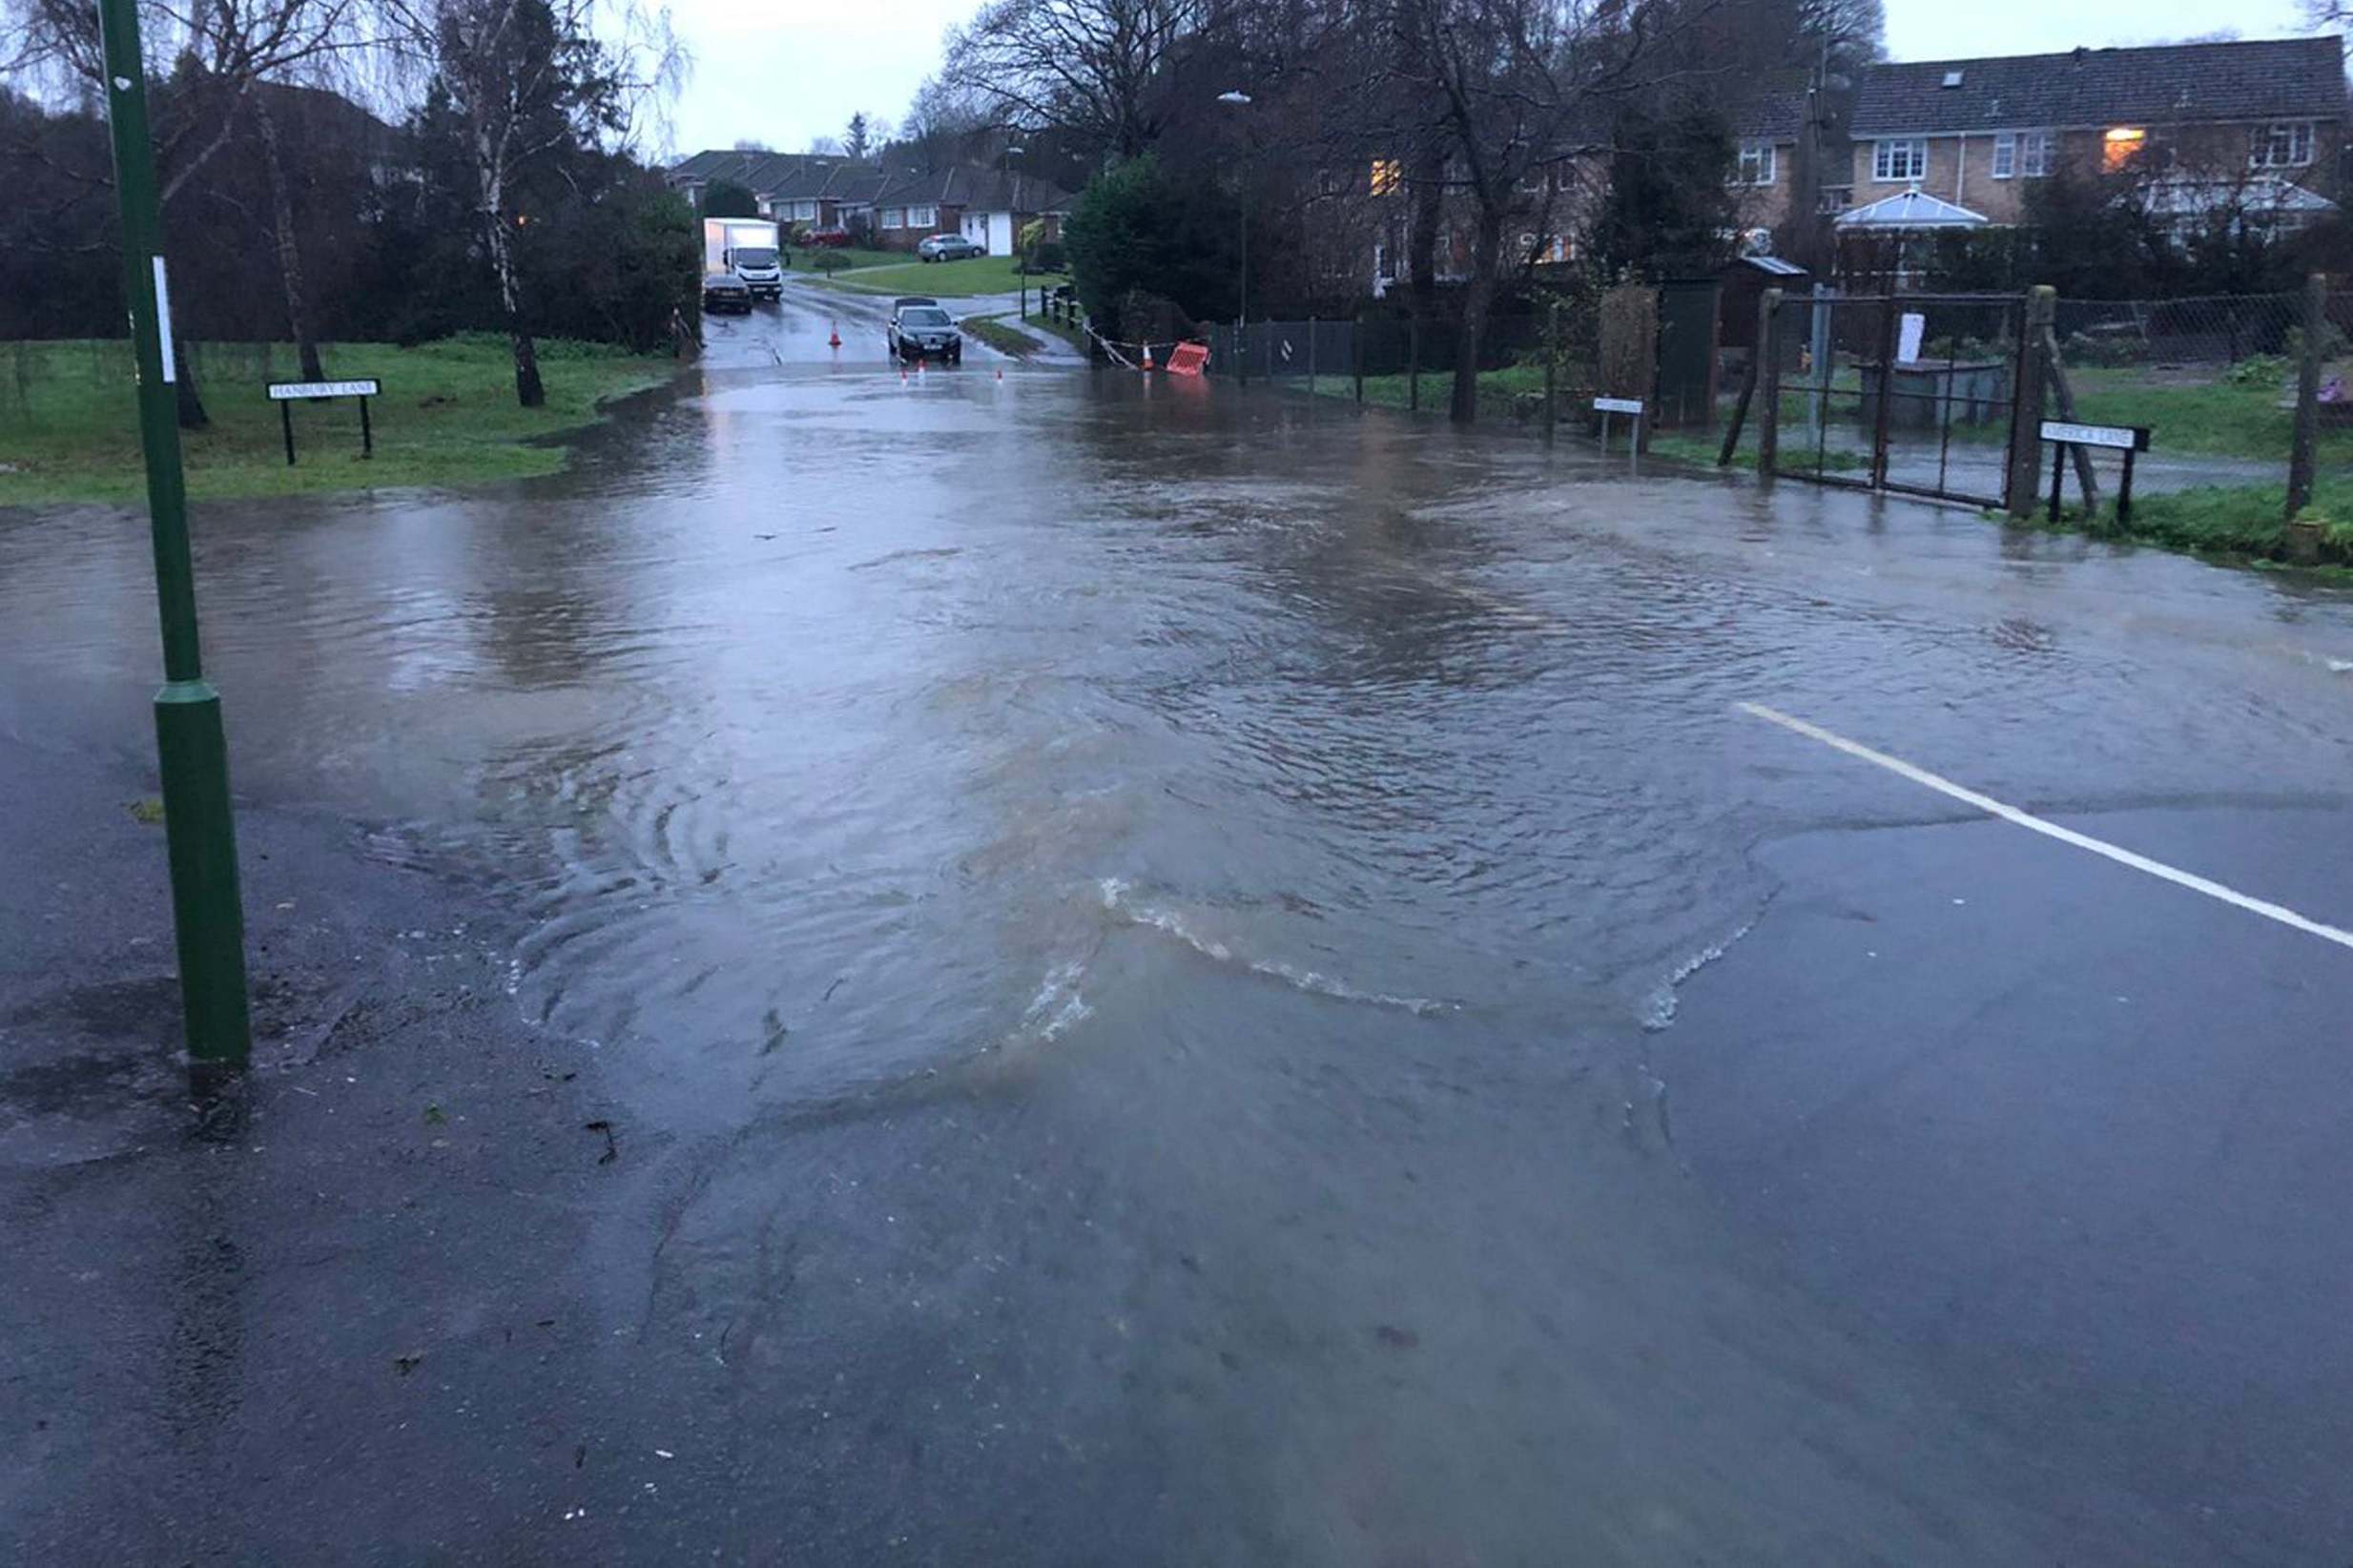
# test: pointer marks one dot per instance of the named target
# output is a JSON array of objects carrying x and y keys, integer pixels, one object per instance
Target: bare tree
[
  {"x": 1505, "y": 98},
  {"x": 1099, "y": 70},
  {"x": 939, "y": 120}
]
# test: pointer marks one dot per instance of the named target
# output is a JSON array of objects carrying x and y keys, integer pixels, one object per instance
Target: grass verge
[
  {"x": 69, "y": 425},
  {"x": 2239, "y": 522},
  {"x": 944, "y": 279},
  {"x": 993, "y": 331}
]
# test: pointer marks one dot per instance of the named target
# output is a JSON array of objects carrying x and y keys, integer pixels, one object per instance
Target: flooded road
[{"x": 1177, "y": 960}]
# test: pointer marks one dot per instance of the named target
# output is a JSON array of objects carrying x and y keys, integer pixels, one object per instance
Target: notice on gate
[{"x": 1908, "y": 332}]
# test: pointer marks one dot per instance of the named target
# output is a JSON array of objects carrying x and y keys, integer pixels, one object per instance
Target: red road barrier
[{"x": 1188, "y": 358}]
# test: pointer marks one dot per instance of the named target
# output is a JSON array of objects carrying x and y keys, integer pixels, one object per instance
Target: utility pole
[{"x": 199, "y": 833}]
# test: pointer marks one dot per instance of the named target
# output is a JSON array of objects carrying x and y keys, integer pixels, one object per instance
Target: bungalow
[
  {"x": 825, "y": 191},
  {"x": 1973, "y": 134},
  {"x": 987, "y": 206},
  {"x": 817, "y": 189}
]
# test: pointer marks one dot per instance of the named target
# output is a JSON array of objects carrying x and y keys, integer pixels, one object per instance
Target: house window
[
  {"x": 1905, "y": 157},
  {"x": 2286, "y": 145},
  {"x": 2121, "y": 145},
  {"x": 1387, "y": 175},
  {"x": 2025, "y": 152},
  {"x": 923, "y": 218},
  {"x": 1834, "y": 198},
  {"x": 893, "y": 217},
  {"x": 1755, "y": 166}
]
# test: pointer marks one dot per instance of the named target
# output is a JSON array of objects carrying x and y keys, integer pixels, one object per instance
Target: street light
[
  {"x": 200, "y": 831},
  {"x": 1240, "y": 99},
  {"x": 1013, "y": 216}
]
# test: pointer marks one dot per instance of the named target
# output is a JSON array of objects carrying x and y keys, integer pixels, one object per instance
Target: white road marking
[{"x": 2049, "y": 830}]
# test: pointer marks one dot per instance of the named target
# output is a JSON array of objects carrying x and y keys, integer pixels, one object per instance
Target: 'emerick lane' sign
[
  {"x": 2124, "y": 438},
  {"x": 281, "y": 391},
  {"x": 286, "y": 394},
  {"x": 2128, "y": 438}
]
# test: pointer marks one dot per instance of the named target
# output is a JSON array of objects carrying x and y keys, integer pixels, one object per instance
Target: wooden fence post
[
  {"x": 2307, "y": 396},
  {"x": 1357, "y": 356},
  {"x": 1552, "y": 364},
  {"x": 2026, "y": 432},
  {"x": 1768, "y": 386},
  {"x": 1413, "y": 363}
]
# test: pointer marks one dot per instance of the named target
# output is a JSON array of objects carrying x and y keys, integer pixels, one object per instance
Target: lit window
[
  {"x": 1906, "y": 158},
  {"x": 2288, "y": 145},
  {"x": 1387, "y": 176},
  {"x": 1756, "y": 163},
  {"x": 2121, "y": 145}
]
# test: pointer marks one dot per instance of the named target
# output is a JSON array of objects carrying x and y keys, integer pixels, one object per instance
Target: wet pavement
[{"x": 1188, "y": 976}]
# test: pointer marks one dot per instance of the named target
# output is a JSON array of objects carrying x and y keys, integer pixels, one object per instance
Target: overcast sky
[{"x": 781, "y": 72}]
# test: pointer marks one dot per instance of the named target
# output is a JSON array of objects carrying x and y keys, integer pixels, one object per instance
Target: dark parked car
[
  {"x": 949, "y": 247},
  {"x": 724, "y": 291},
  {"x": 921, "y": 330}
]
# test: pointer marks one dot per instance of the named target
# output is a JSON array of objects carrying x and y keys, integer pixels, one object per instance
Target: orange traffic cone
[
  {"x": 1147, "y": 356},
  {"x": 834, "y": 342}
]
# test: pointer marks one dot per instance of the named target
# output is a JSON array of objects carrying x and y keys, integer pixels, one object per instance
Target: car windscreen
[
  {"x": 755, "y": 256},
  {"x": 923, "y": 316}
]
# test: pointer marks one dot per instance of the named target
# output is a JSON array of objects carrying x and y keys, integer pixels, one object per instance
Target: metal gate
[{"x": 1917, "y": 393}]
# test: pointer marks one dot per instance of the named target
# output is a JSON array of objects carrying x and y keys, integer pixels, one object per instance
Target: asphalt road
[{"x": 1072, "y": 968}]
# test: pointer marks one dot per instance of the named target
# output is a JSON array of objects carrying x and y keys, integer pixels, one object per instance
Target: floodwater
[{"x": 1163, "y": 907}]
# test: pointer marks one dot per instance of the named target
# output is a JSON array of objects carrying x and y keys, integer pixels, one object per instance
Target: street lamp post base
[{"x": 201, "y": 838}]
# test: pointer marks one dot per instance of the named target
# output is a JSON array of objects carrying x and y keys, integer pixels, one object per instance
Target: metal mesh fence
[
  {"x": 1407, "y": 364},
  {"x": 2212, "y": 377},
  {"x": 53, "y": 378}
]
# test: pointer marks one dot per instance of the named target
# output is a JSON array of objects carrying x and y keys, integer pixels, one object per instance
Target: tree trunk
[
  {"x": 289, "y": 252},
  {"x": 186, "y": 400},
  {"x": 527, "y": 388},
  {"x": 1480, "y": 293},
  {"x": 1427, "y": 193}
]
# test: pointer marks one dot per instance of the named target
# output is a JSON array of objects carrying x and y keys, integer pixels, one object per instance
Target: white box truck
[{"x": 748, "y": 248}]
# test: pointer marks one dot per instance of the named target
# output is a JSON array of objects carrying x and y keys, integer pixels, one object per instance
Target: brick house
[
  {"x": 1766, "y": 132},
  {"x": 1976, "y": 133}
]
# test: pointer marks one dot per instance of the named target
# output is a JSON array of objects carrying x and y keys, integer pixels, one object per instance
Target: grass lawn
[
  {"x": 2218, "y": 417},
  {"x": 852, "y": 256},
  {"x": 447, "y": 417},
  {"x": 945, "y": 279}
]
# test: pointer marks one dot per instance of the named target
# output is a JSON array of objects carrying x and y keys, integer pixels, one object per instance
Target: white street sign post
[
  {"x": 1631, "y": 406},
  {"x": 2127, "y": 439},
  {"x": 285, "y": 394}
]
